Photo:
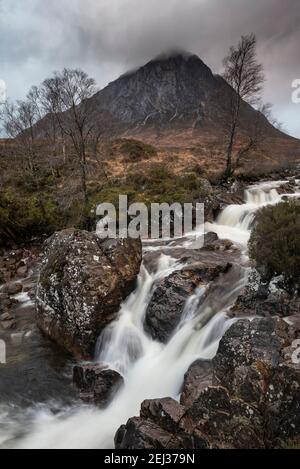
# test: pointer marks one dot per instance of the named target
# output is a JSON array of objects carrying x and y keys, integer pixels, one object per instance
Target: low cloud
[{"x": 108, "y": 37}]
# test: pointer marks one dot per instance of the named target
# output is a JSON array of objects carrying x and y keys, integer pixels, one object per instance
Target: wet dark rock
[
  {"x": 213, "y": 243},
  {"x": 97, "y": 383},
  {"x": 218, "y": 421},
  {"x": 289, "y": 188},
  {"x": 82, "y": 282},
  {"x": 5, "y": 317},
  {"x": 166, "y": 413},
  {"x": 22, "y": 271},
  {"x": 263, "y": 291},
  {"x": 247, "y": 356},
  {"x": 156, "y": 428},
  {"x": 263, "y": 371},
  {"x": 144, "y": 434},
  {"x": 221, "y": 196},
  {"x": 263, "y": 302},
  {"x": 12, "y": 288},
  {"x": 212, "y": 208},
  {"x": 165, "y": 309},
  {"x": 197, "y": 378},
  {"x": 253, "y": 400},
  {"x": 16, "y": 263},
  {"x": 8, "y": 324},
  {"x": 210, "y": 238}
]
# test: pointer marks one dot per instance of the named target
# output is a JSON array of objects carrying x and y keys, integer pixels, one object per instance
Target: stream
[{"x": 150, "y": 369}]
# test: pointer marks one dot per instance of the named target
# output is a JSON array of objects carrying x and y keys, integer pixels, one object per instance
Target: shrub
[
  {"x": 275, "y": 244},
  {"x": 136, "y": 150},
  {"x": 155, "y": 185},
  {"x": 22, "y": 217}
]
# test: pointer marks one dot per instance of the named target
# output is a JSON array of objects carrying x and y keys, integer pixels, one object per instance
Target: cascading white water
[
  {"x": 151, "y": 369},
  {"x": 235, "y": 222},
  {"x": 124, "y": 341}
]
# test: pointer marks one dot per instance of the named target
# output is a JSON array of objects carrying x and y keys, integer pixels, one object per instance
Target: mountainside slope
[
  {"x": 172, "y": 92},
  {"x": 177, "y": 104}
]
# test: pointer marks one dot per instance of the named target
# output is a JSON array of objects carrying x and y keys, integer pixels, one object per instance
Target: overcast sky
[{"x": 108, "y": 37}]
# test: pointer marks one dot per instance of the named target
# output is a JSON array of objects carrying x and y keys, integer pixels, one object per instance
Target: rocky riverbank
[
  {"x": 17, "y": 285},
  {"x": 246, "y": 397},
  {"x": 250, "y": 399}
]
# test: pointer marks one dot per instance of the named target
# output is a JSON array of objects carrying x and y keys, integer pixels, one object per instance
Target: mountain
[
  {"x": 176, "y": 102},
  {"x": 172, "y": 92}
]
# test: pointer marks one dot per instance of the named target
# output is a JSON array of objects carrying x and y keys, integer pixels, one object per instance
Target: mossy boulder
[{"x": 82, "y": 282}]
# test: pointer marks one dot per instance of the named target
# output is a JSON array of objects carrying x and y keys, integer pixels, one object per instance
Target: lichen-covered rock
[
  {"x": 165, "y": 309},
  {"x": 263, "y": 302},
  {"x": 257, "y": 363},
  {"x": 82, "y": 282},
  {"x": 97, "y": 384},
  {"x": 196, "y": 379},
  {"x": 253, "y": 401},
  {"x": 217, "y": 420}
]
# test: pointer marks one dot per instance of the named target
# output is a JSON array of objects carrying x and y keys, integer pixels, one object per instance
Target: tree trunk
[
  {"x": 235, "y": 118},
  {"x": 229, "y": 168},
  {"x": 83, "y": 181}
]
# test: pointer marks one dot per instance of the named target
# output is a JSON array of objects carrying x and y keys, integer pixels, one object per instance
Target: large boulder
[
  {"x": 167, "y": 304},
  {"x": 82, "y": 282},
  {"x": 253, "y": 400}
]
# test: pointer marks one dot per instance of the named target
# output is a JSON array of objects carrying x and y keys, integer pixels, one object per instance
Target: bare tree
[
  {"x": 67, "y": 97},
  {"x": 19, "y": 121},
  {"x": 245, "y": 76}
]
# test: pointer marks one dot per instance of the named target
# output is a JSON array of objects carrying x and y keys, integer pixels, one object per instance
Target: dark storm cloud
[{"x": 108, "y": 37}]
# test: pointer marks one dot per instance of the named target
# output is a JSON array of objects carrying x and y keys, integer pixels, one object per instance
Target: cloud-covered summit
[{"x": 110, "y": 37}]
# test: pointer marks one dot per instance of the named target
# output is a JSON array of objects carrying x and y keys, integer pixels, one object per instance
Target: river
[{"x": 150, "y": 369}]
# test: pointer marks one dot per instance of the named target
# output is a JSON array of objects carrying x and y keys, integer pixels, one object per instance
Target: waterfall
[
  {"x": 152, "y": 369},
  {"x": 236, "y": 221}
]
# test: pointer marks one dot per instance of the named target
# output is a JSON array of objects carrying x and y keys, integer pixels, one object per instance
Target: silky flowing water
[{"x": 150, "y": 369}]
